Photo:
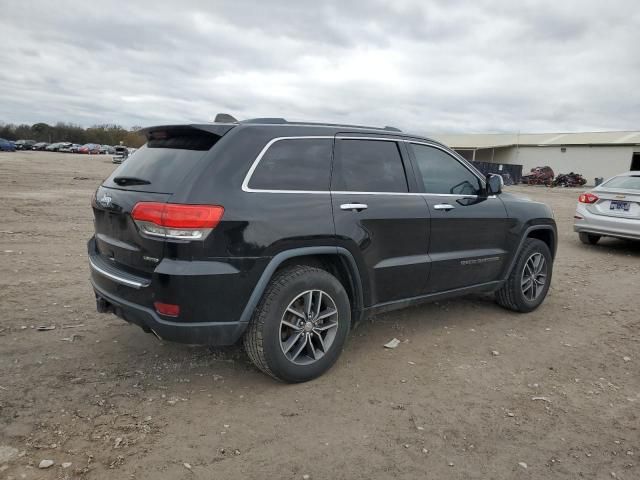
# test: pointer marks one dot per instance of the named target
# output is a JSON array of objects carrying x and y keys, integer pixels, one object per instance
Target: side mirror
[{"x": 494, "y": 184}]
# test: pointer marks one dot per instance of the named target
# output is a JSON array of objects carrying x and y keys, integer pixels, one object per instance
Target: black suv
[{"x": 284, "y": 234}]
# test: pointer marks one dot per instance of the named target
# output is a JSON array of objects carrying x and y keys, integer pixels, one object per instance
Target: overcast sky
[{"x": 424, "y": 66}]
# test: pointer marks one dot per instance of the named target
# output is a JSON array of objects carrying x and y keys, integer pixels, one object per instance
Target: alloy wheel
[
  {"x": 534, "y": 276},
  {"x": 308, "y": 327}
]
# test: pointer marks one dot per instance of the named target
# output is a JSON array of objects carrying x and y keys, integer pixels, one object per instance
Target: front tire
[
  {"x": 529, "y": 280},
  {"x": 299, "y": 329},
  {"x": 588, "y": 238}
]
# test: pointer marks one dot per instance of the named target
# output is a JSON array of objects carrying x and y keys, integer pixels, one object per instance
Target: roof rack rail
[
  {"x": 274, "y": 120},
  {"x": 281, "y": 121}
]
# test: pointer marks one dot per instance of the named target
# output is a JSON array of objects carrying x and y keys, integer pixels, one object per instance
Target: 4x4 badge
[{"x": 105, "y": 201}]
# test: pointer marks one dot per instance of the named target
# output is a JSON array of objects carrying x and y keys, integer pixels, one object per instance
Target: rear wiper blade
[{"x": 122, "y": 181}]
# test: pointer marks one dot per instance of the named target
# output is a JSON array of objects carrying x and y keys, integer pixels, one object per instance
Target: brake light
[
  {"x": 588, "y": 198},
  {"x": 168, "y": 309},
  {"x": 177, "y": 221}
]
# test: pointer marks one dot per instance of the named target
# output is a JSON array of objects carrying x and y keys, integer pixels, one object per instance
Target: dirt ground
[{"x": 562, "y": 394}]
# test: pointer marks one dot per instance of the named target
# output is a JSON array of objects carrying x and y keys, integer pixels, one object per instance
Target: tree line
[{"x": 106, "y": 134}]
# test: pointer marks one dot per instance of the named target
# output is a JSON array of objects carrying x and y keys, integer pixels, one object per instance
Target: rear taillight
[
  {"x": 588, "y": 198},
  {"x": 176, "y": 221}
]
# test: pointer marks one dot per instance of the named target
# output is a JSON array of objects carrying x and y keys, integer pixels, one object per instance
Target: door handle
[
  {"x": 356, "y": 207},
  {"x": 443, "y": 206}
]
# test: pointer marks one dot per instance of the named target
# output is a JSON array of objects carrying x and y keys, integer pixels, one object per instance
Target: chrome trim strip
[
  {"x": 414, "y": 194},
  {"x": 115, "y": 278},
  {"x": 406, "y": 194}
]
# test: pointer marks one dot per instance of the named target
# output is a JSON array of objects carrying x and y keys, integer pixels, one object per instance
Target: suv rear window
[
  {"x": 368, "y": 166},
  {"x": 295, "y": 164},
  {"x": 164, "y": 161}
]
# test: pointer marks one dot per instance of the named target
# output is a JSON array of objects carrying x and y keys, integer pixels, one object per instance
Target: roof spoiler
[{"x": 215, "y": 128}]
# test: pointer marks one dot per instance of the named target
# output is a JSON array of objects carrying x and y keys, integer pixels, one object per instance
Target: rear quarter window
[{"x": 298, "y": 164}]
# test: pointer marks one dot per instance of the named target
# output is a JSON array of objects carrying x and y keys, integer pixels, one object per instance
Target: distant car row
[
  {"x": 120, "y": 152},
  {"x": 65, "y": 147}
]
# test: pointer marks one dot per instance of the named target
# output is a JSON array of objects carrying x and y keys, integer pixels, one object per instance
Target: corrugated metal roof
[{"x": 489, "y": 140}]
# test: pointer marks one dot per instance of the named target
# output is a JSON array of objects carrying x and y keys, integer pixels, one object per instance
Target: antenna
[{"x": 224, "y": 118}]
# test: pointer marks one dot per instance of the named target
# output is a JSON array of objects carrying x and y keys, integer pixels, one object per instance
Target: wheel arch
[
  {"x": 544, "y": 233},
  {"x": 336, "y": 260}
]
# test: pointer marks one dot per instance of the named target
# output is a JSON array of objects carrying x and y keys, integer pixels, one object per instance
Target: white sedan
[{"x": 612, "y": 209}]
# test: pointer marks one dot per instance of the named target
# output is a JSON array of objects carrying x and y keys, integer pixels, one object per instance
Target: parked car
[
  {"x": 90, "y": 148},
  {"x": 120, "y": 154},
  {"x": 285, "y": 234},
  {"x": 55, "y": 147},
  {"x": 106, "y": 149},
  {"x": 69, "y": 148},
  {"x": 7, "y": 146},
  {"x": 40, "y": 146},
  {"x": 612, "y": 209},
  {"x": 24, "y": 144}
]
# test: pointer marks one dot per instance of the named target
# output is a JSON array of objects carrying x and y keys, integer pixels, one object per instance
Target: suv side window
[
  {"x": 295, "y": 164},
  {"x": 441, "y": 173},
  {"x": 368, "y": 166}
]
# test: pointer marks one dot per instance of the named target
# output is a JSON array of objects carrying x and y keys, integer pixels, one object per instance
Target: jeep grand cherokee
[{"x": 284, "y": 234}]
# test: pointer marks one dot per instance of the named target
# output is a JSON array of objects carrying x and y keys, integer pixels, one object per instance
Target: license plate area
[{"x": 617, "y": 205}]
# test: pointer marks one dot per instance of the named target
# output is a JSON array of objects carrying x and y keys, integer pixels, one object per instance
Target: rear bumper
[
  {"x": 212, "y": 296},
  {"x": 605, "y": 225},
  {"x": 215, "y": 334}
]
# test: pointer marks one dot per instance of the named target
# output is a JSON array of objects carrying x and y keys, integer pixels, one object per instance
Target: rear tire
[
  {"x": 529, "y": 280},
  {"x": 588, "y": 238},
  {"x": 300, "y": 326}
]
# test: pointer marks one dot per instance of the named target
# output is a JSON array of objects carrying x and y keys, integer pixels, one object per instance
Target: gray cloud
[{"x": 435, "y": 66}]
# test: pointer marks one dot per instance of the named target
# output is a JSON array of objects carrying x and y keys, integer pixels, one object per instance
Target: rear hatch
[
  {"x": 619, "y": 197},
  {"x": 153, "y": 174}
]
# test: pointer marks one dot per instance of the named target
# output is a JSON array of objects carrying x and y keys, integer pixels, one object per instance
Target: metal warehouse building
[{"x": 593, "y": 154}]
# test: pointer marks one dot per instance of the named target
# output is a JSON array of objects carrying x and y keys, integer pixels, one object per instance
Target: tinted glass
[
  {"x": 368, "y": 166},
  {"x": 295, "y": 164},
  {"x": 441, "y": 173},
  {"x": 164, "y": 163},
  {"x": 627, "y": 183}
]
